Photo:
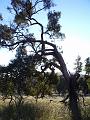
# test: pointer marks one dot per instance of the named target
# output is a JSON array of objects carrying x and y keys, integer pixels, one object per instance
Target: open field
[{"x": 44, "y": 109}]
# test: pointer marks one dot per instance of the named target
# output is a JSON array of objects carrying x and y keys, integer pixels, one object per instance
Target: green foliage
[
  {"x": 25, "y": 9},
  {"x": 5, "y": 32},
  {"x": 48, "y": 4},
  {"x": 1, "y": 18},
  {"x": 20, "y": 77},
  {"x": 53, "y": 24},
  {"x": 15, "y": 76},
  {"x": 20, "y": 18},
  {"x": 87, "y": 66},
  {"x": 78, "y": 65},
  {"x": 24, "y": 19},
  {"x": 88, "y": 83}
]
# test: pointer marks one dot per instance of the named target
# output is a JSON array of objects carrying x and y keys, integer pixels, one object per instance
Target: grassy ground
[{"x": 44, "y": 109}]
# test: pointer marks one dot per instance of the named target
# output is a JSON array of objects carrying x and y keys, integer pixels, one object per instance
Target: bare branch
[
  {"x": 45, "y": 50},
  {"x": 48, "y": 65},
  {"x": 39, "y": 10},
  {"x": 38, "y": 1}
]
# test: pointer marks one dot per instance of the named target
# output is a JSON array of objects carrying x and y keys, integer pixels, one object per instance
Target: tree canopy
[
  {"x": 30, "y": 63},
  {"x": 18, "y": 33}
]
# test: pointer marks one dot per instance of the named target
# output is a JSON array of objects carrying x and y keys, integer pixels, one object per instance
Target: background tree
[
  {"x": 87, "y": 72},
  {"x": 21, "y": 78},
  {"x": 87, "y": 66},
  {"x": 78, "y": 64}
]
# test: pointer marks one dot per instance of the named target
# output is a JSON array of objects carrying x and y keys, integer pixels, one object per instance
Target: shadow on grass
[{"x": 25, "y": 112}]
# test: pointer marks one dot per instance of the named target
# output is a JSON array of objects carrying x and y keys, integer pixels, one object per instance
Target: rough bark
[
  {"x": 73, "y": 100},
  {"x": 73, "y": 105}
]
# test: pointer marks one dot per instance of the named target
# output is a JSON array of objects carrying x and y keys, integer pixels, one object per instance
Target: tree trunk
[
  {"x": 73, "y": 98},
  {"x": 71, "y": 86},
  {"x": 70, "y": 80},
  {"x": 73, "y": 105}
]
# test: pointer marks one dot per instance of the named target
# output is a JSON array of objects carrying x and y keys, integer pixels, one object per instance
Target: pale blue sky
[{"x": 75, "y": 22}]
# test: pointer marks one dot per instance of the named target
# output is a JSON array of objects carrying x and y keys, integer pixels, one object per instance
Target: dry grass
[{"x": 43, "y": 109}]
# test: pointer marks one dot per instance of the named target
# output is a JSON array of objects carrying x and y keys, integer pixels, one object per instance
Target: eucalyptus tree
[{"x": 20, "y": 33}]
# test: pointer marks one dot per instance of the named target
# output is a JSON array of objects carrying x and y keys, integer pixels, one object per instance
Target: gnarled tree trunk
[
  {"x": 71, "y": 86},
  {"x": 73, "y": 100}
]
